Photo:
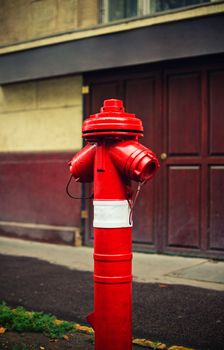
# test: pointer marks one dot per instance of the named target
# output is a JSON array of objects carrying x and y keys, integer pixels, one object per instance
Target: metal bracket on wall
[
  {"x": 84, "y": 214},
  {"x": 85, "y": 89}
]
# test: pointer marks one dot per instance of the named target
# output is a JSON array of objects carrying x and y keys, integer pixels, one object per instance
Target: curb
[
  {"x": 21, "y": 312},
  {"x": 141, "y": 342}
]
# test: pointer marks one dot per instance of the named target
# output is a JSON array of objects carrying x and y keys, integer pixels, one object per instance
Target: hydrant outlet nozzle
[{"x": 135, "y": 161}]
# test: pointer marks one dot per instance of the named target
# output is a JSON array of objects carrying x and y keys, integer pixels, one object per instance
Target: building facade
[{"x": 165, "y": 59}]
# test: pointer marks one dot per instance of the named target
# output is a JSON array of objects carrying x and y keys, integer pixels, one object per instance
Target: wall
[
  {"x": 40, "y": 130},
  {"x": 23, "y": 20},
  {"x": 42, "y": 115},
  {"x": 71, "y": 20}
]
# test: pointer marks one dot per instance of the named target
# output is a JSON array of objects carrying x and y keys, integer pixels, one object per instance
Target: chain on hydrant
[{"x": 111, "y": 159}]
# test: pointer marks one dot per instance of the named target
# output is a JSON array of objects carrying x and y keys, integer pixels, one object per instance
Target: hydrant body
[{"x": 111, "y": 159}]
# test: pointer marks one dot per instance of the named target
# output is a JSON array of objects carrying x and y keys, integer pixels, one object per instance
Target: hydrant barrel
[
  {"x": 112, "y": 158},
  {"x": 112, "y": 255}
]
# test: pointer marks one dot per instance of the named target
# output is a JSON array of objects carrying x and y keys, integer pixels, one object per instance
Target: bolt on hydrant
[{"x": 112, "y": 158}]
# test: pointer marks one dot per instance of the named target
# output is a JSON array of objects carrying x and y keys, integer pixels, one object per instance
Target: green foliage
[{"x": 21, "y": 320}]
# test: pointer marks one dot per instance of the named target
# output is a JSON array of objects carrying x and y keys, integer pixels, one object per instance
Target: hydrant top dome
[{"x": 112, "y": 120}]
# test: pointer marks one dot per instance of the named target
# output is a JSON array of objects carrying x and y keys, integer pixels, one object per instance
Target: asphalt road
[{"x": 173, "y": 314}]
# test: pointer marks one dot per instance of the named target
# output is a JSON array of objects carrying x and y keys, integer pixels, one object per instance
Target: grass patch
[{"x": 21, "y": 320}]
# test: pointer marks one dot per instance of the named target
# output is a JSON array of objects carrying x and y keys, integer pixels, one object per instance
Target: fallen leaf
[
  {"x": 149, "y": 343},
  {"x": 57, "y": 322},
  {"x": 84, "y": 329},
  {"x": 175, "y": 347},
  {"x": 29, "y": 313},
  {"x": 162, "y": 285},
  {"x": 66, "y": 337},
  {"x": 2, "y": 330}
]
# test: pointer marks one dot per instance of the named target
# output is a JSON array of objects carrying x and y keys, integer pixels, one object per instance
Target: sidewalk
[
  {"x": 176, "y": 300},
  {"x": 147, "y": 268}
]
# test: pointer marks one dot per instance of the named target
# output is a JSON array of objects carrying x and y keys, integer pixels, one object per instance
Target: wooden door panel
[
  {"x": 140, "y": 95},
  {"x": 194, "y": 124},
  {"x": 183, "y": 121},
  {"x": 184, "y": 111},
  {"x": 143, "y": 218},
  {"x": 183, "y": 206},
  {"x": 100, "y": 92},
  {"x": 216, "y": 112},
  {"x": 140, "y": 98},
  {"x": 216, "y": 208}
]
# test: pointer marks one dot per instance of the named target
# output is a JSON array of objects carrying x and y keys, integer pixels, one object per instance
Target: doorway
[{"x": 181, "y": 211}]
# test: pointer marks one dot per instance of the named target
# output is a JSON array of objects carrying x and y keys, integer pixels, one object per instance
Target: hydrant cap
[{"x": 112, "y": 120}]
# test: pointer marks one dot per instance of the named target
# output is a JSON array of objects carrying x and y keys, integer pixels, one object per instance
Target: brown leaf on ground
[
  {"x": 163, "y": 285},
  {"x": 175, "y": 347},
  {"x": 85, "y": 329},
  {"x": 2, "y": 330},
  {"x": 57, "y": 322},
  {"x": 150, "y": 344}
]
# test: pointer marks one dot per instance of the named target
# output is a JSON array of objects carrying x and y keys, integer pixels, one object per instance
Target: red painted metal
[
  {"x": 81, "y": 165},
  {"x": 135, "y": 161},
  {"x": 112, "y": 120},
  {"x": 113, "y": 159}
]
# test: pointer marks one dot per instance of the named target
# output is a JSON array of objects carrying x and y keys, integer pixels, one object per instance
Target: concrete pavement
[{"x": 147, "y": 268}]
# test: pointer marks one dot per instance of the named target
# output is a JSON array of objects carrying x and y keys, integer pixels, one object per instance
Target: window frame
[{"x": 145, "y": 8}]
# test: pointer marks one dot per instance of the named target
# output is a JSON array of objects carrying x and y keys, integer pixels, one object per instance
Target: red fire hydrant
[{"x": 112, "y": 158}]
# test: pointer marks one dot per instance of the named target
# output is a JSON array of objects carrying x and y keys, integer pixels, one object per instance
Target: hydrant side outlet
[
  {"x": 81, "y": 166},
  {"x": 135, "y": 161}
]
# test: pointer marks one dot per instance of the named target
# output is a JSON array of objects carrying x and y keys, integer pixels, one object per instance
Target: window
[
  {"x": 119, "y": 9},
  {"x": 164, "y": 5},
  {"x": 114, "y": 10}
]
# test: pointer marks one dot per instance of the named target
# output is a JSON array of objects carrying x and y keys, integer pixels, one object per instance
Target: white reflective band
[{"x": 109, "y": 214}]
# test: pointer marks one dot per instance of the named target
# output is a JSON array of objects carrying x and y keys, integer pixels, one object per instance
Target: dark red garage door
[{"x": 182, "y": 110}]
